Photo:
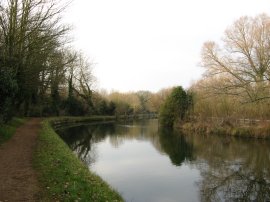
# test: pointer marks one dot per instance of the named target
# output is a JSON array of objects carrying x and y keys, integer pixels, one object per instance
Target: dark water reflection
[{"x": 147, "y": 164}]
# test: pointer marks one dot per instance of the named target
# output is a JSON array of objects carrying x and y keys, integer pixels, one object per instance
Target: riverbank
[
  {"x": 260, "y": 130},
  {"x": 63, "y": 176}
]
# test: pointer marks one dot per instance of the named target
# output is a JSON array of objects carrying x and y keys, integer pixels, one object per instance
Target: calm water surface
[{"x": 147, "y": 164}]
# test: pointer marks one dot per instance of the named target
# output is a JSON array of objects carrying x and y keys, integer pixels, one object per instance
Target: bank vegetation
[
  {"x": 235, "y": 84},
  {"x": 63, "y": 176}
]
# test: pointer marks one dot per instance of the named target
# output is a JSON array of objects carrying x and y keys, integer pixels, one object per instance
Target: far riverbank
[{"x": 239, "y": 128}]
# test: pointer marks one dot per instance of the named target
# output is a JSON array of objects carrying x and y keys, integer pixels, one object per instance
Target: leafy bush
[
  {"x": 74, "y": 107},
  {"x": 8, "y": 90},
  {"x": 8, "y": 129},
  {"x": 175, "y": 107}
]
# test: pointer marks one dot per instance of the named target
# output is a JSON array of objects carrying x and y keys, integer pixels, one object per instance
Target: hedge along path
[{"x": 18, "y": 179}]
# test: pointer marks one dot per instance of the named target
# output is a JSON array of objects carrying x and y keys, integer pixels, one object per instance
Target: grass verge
[
  {"x": 63, "y": 176},
  {"x": 7, "y": 130}
]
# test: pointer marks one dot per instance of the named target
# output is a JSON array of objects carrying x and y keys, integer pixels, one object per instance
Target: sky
[{"x": 151, "y": 44}]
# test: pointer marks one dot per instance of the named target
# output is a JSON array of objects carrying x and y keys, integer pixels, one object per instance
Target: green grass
[
  {"x": 8, "y": 130},
  {"x": 63, "y": 176}
]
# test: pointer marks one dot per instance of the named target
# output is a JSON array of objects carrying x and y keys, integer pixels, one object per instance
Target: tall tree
[
  {"x": 31, "y": 37},
  {"x": 241, "y": 67}
]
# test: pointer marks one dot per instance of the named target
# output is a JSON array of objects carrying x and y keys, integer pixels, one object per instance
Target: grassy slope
[
  {"x": 7, "y": 130},
  {"x": 63, "y": 175}
]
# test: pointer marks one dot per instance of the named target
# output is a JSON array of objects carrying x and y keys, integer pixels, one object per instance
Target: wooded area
[
  {"x": 42, "y": 75},
  {"x": 236, "y": 80},
  {"x": 36, "y": 61}
]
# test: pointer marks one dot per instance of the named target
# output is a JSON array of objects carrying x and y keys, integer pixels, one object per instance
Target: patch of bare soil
[{"x": 18, "y": 179}]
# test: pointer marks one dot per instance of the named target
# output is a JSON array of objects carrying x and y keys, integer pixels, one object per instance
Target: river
[{"x": 147, "y": 164}]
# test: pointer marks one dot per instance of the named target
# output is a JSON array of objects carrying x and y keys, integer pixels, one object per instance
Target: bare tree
[
  {"x": 241, "y": 67},
  {"x": 83, "y": 79},
  {"x": 144, "y": 97}
]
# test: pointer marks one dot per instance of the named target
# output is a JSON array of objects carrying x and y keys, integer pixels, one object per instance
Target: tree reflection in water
[
  {"x": 175, "y": 146},
  {"x": 232, "y": 169},
  {"x": 81, "y": 139}
]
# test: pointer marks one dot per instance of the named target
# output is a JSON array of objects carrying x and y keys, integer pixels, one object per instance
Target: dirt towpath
[{"x": 18, "y": 179}]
